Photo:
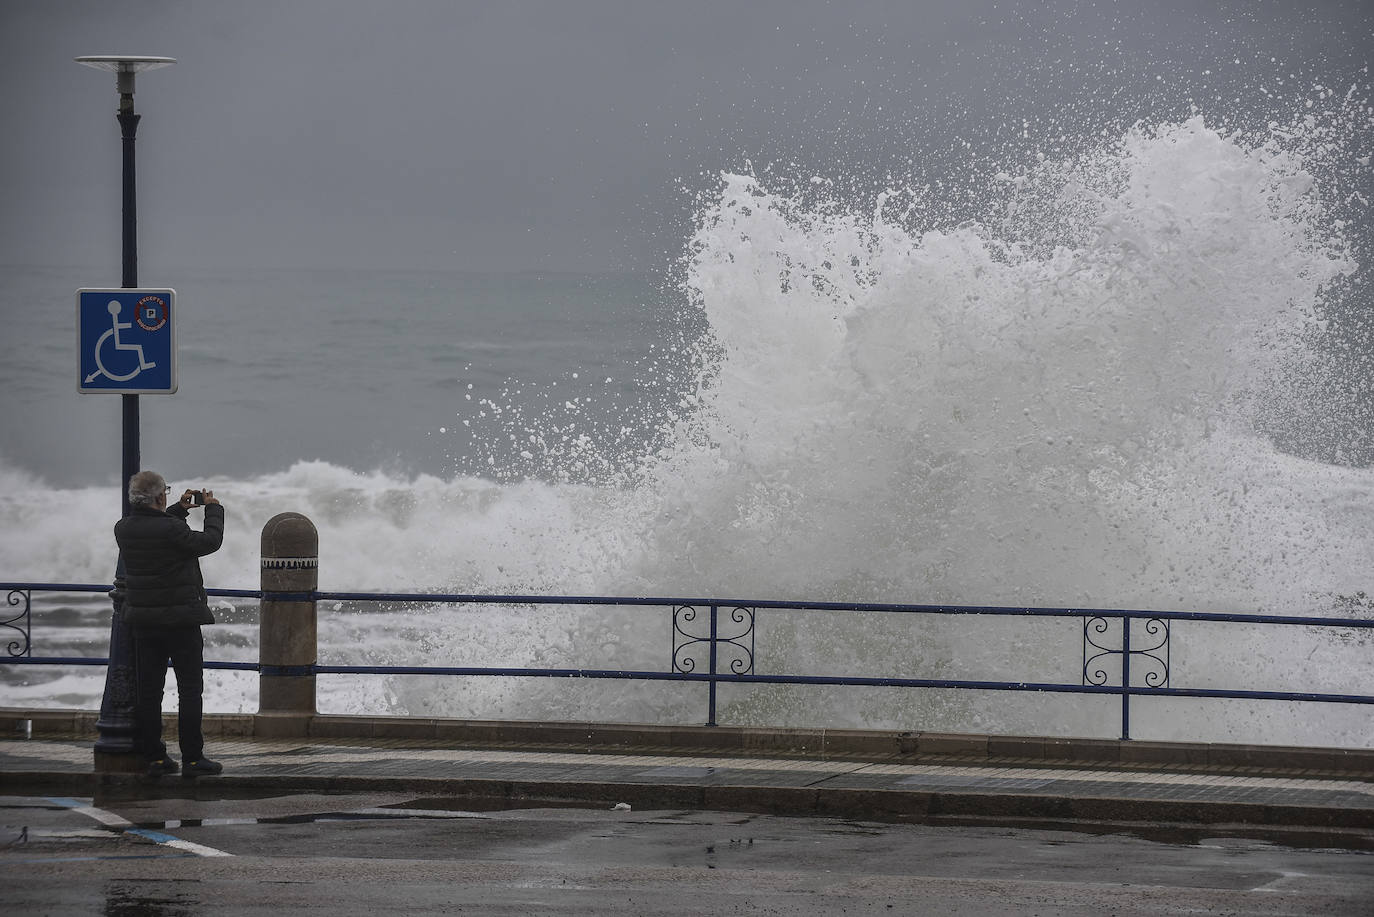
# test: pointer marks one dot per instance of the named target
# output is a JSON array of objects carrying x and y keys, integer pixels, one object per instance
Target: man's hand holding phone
[{"x": 198, "y": 498}]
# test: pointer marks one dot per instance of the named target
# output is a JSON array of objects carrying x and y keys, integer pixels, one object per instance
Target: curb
[
  {"x": 815, "y": 744},
  {"x": 1163, "y": 819}
]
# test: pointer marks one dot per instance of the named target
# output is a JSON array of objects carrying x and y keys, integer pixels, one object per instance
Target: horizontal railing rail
[
  {"x": 1154, "y": 653},
  {"x": 430, "y": 598}
]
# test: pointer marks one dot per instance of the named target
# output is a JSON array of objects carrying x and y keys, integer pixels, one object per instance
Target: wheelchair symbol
[{"x": 115, "y": 327}]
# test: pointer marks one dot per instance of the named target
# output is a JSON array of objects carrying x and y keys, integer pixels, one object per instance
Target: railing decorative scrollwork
[
  {"x": 1099, "y": 651},
  {"x": 737, "y": 644},
  {"x": 23, "y": 644}
]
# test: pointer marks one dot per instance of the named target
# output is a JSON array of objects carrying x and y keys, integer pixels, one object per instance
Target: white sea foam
[{"x": 957, "y": 416}]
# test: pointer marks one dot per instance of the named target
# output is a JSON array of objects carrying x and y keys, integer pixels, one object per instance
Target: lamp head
[{"x": 124, "y": 66}]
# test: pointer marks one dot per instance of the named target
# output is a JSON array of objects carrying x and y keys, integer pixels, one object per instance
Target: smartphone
[{"x": 197, "y": 498}]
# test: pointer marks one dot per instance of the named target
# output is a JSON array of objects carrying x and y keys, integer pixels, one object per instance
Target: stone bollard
[{"x": 287, "y": 648}]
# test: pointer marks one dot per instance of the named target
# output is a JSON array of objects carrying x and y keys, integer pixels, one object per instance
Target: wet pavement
[
  {"x": 356, "y": 826},
  {"x": 1163, "y": 801},
  {"x": 402, "y": 853}
]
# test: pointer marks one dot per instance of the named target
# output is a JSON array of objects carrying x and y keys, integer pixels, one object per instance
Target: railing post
[
  {"x": 287, "y": 651},
  {"x": 711, "y": 701},
  {"x": 1125, "y": 677}
]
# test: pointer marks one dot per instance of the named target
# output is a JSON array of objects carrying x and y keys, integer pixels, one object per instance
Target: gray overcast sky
[{"x": 557, "y": 134}]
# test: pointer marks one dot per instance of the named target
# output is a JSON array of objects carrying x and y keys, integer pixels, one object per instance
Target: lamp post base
[
  {"x": 119, "y": 763},
  {"x": 116, "y": 727}
]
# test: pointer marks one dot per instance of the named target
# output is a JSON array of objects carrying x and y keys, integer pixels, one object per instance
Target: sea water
[{"x": 1062, "y": 394}]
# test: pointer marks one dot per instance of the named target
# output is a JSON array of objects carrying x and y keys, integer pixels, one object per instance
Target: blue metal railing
[{"x": 1106, "y": 633}]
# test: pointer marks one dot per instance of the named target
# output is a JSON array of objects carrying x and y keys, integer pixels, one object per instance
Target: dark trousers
[{"x": 153, "y": 647}]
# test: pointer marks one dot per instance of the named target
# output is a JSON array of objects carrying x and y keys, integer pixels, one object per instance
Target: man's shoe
[
  {"x": 157, "y": 767},
  {"x": 202, "y": 768}
]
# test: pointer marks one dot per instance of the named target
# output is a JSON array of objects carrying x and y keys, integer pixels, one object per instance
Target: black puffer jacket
[{"x": 161, "y": 553}]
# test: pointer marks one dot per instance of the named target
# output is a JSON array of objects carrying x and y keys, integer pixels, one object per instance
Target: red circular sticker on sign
[{"x": 152, "y": 313}]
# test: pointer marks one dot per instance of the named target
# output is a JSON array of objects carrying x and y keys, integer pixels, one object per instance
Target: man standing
[{"x": 165, "y": 605}]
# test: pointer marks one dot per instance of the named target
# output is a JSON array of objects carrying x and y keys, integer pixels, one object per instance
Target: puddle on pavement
[
  {"x": 430, "y": 808},
  {"x": 113, "y": 797},
  {"x": 312, "y": 818}
]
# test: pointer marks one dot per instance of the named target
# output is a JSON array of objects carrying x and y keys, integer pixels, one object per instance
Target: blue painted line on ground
[{"x": 152, "y": 835}]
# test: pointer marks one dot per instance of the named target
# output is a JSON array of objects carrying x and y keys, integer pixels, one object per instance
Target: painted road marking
[
  {"x": 90, "y": 811},
  {"x": 115, "y": 821},
  {"x": 177, "y": 843}
]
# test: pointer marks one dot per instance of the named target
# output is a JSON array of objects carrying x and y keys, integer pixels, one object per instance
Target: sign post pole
[
  {"x": 114, "y": 748},
  {"x": 128, "y": 124}
]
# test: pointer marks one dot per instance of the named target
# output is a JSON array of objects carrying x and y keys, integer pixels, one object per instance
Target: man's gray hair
[{"x": 145, "y": 487}]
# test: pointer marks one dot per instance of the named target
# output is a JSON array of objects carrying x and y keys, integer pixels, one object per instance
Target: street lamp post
[{"x": 114, "y": 747}]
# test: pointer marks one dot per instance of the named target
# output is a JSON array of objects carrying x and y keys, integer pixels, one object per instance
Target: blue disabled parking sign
[{"x": 126, "y": 341}]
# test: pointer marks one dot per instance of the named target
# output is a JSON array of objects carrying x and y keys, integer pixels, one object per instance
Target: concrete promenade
[{"x": 1165, "y": 791}]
